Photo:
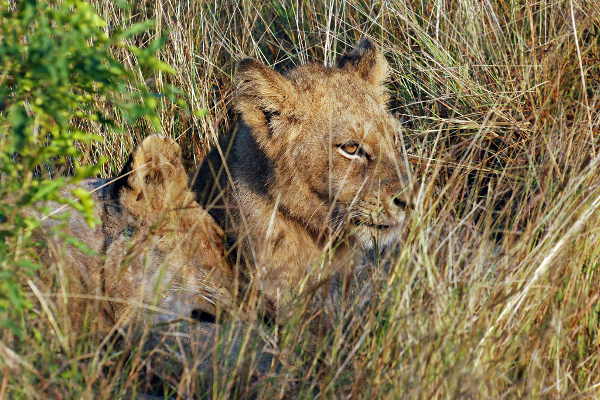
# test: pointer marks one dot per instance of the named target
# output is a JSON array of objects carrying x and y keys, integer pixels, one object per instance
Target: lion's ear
[
  {"x": 156, "y": 181},
  {"x": 367, "y": 61},
  {"x": 261, "y": 90}
]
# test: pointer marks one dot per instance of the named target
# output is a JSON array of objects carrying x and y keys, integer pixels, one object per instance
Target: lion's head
[{"x": 331, "y": 140}]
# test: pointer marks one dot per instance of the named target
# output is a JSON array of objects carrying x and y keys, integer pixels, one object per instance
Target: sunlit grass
[{"x": 494, "y": 291}]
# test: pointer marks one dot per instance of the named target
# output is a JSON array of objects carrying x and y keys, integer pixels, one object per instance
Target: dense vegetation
[{"x": 494, "y": 291}]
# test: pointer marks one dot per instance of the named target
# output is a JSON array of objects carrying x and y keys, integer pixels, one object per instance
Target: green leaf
[
  {"x": 135, "y": 29},
  {"x": 81, "y": 246},
  {"x": 45, "y": 189},
  {"x": 200, "y": 113},
  {"x": 27, "y": 265},
  {"x": 19, "y": 121},
  {"x": 87, "y": 205}
]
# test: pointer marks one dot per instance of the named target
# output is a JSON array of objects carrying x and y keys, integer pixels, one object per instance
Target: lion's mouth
[{"x": 380, "y": 227}]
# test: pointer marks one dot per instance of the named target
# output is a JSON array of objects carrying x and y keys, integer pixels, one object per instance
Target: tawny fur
[
  {"x": 158, "y": 255},
  {"x": 305, "y": 220}
]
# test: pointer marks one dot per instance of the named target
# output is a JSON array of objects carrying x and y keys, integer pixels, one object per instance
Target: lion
[
  {"x": 310, "y": 173},
  {"x": 308, "y": 181},
  {"x": 155, "y": 249}
]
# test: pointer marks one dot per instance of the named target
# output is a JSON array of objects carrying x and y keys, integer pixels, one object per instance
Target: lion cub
[
  {"x": 156, "y": 254},
  {"x": 311, "y": 172}
]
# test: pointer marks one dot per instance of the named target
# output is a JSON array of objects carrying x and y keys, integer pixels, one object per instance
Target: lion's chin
[{"x": 377, "y": 236}]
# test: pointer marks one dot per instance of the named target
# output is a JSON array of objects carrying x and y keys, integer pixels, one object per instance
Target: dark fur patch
[
  {"x": 268, "y": 118},
  {"x": 121, "y": 183},
  {"x": 250, "y": 165},
  {"x": 210, "y": 180},
  {"x": 322, "y": 196},
  {"x": 106, "y": 195},
  {"x": 203, "y": 316},
  {"x": 246, "y": 64},
  {"x": 246, "y": 161},
  {"x": 354, "y": 56},
  {"x": 110, "y": 196}
]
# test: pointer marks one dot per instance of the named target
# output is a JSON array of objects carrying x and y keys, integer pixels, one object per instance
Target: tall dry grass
[{"x": 495, "y": 291}]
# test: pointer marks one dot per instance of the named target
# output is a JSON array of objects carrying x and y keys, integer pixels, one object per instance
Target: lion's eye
[
  {"x": 352, "y": 150},
  {"x": 349, "y": 150}
]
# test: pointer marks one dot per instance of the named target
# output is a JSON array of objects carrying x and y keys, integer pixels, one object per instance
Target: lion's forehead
[
  {"x": 336, "y": 100},
  {"x": 319, "y": 85}
]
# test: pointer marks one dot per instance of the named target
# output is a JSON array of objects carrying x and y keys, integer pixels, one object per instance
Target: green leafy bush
[{"x": 56, "y": 68}]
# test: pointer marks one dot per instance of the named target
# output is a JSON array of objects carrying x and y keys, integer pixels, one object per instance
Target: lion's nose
[
  {"x": 397, "y": 196},
  {"x": 401, "y": 202}
]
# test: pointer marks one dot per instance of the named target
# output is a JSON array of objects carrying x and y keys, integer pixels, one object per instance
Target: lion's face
[{"x": 331, "y": 139}]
